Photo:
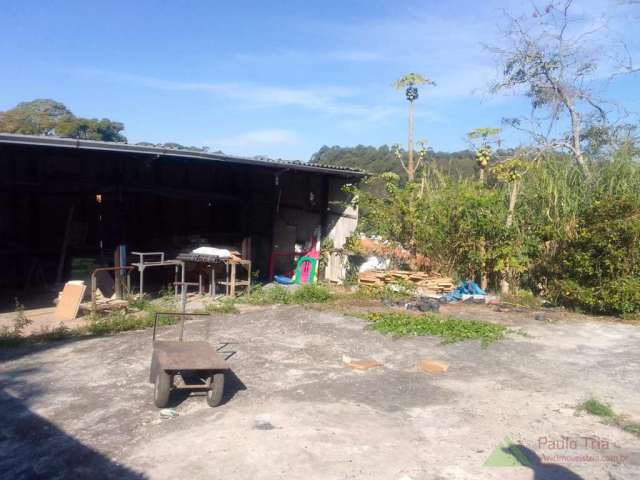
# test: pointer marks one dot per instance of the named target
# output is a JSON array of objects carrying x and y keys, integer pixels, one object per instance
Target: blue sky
[{"x": 274, "y": 78}]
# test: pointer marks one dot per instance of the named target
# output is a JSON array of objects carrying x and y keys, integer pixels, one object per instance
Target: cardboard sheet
[{"x": 72, "y": 295}]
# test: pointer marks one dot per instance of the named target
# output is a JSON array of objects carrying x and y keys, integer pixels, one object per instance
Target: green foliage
[
  {"x": 599, "y": 269},
  {"x": 574, "y": 239},
  {"x": 633, "y": 428},
  {"x": 261, "y": 295},
  {"x": 510, "y": 171},
  {"x": 326, "y": 247},
  {"x": 224, "y": 306},
  {"x": 278, "y": 294},
  {"x": 595, "y": 407},
  {"x": 9, "y": 339},
  {"x": 608, "y": 416},
  {"x": 390, "y": 291},
  {"x": 48, "y": 117},
  {"x": 311, "y": 293},
  {"x": 174, "y": 146},
  {"x": 450, "y": 329},
  {"x": 484, "y": 134},
  {"x": 12, "y": 336},
  {"x": 410, "y": 80},
  {"x": 123, "y": 321},
  {"x": 521, "y": 298},
  {"x": 21, "y": 320},
  {"x": 458, "y": 224},
  {"x": 138, "y": 302},
  {"x": 383, "y": 159}
]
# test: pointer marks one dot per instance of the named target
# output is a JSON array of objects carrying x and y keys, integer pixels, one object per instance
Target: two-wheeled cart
[{"x": 185, "y": 364}]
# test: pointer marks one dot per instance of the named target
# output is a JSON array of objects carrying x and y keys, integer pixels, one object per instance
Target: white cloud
[
  {"x": 330, "y": 100},
  {"x": 255, "y": 142}
]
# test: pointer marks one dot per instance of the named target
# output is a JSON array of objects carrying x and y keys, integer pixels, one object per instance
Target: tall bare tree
[
  {"x": 555, "y": 62},
  {"x": 409, "y": 83}
]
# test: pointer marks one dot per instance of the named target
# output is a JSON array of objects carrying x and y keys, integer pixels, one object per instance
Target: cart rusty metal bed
[{"x": 183, "y": 364}]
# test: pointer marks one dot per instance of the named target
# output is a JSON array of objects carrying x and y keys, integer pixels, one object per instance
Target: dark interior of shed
[{"x": 64, "y": 211}]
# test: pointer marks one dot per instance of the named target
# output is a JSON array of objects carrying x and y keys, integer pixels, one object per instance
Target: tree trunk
[
  {"x": 410, "y": 172},
  {"x": 512, "y": 203},
  {"x": 484, "y": 278},
  {"x": 504, "y": 282},
  {"x": 575, "y": 140}
]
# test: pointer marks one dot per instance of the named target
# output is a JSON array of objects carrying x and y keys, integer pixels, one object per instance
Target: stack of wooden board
[{"x": 426, "y": 283}]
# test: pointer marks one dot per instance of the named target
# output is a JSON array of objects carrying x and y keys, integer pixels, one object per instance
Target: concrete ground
[{"x": 83, "y": 408}]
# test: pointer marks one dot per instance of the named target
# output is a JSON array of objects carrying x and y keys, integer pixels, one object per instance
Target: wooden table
[{"x": 231, "y": 280}]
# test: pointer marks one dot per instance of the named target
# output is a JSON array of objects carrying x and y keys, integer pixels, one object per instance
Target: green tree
[
  {"x": 48, "y": 117},
  {"x": 486, "y": 137},
  {"x": 383, "y": 159},
  {"x": 510, "y": 172},
  {"x": 409, "y": 83}
]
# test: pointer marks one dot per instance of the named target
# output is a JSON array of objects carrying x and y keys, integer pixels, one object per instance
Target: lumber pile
[{"x": 426, "y": 283}]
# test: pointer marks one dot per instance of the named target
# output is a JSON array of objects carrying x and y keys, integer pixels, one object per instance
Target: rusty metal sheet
[{"x": 188, "y": 356}]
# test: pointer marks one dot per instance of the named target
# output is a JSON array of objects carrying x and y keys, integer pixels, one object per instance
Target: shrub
[
  {"x": 277, "y": 294},
  {"x": 599, "y": 270},
  {"x": 311, "y": 293},
  {"x": 13, "y": 336},
  {"x": 261, "y": 295},
  {"x": 226, "y": 305},
  {"x": 123, "y": 321}
]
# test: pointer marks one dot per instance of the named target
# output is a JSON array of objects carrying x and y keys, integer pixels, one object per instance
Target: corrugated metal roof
[{"x": 58, "y": 142}]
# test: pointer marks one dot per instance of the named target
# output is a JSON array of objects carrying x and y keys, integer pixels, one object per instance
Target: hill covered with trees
[
  {"x": 49, "y": 117},
  {"x": 384, "y": 159}
]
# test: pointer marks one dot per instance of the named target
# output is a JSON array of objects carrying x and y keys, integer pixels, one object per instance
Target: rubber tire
[
  {"x": 153, "y": 369},
  {"x": 214, "y": 395},
  {"x": 162, "y": 388}
]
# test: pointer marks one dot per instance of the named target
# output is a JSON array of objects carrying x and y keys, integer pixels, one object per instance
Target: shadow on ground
[
  {"x": 15, "y": 352},
  {"x": 544, "y": 471},
  {"x": 232, "y": 385},
  {"x": 31, "y": 447}
]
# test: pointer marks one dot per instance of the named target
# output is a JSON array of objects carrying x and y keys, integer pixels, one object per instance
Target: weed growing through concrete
[
  {"x": 595, "y": 407},
  {"x": 608, "y": 416},
  {"x": 277, "y": 294},
  {"x": 224, "y": 306},
  {"x": 450, "y": 329},
  {"x": 104, "y": 324},
  {"x": 12, "y": 336}
]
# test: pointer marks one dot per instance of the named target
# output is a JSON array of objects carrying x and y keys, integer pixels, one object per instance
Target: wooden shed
[{"x": 78, "y": 200}]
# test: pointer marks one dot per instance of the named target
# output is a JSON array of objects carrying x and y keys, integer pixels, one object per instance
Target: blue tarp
[
  {"x": 465, "y": 288},
  {"x": 283, "y": 280}
]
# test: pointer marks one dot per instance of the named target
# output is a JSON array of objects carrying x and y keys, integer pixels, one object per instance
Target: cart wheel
[
  {"x": 214, "y": 395},
  {"x": 153, "y": 370},
  {"x": 162, "y": 388}
]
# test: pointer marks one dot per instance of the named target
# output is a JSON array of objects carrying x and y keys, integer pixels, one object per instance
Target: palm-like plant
[
  {"x": 484, "y": 152},
  {"x": 409, "y": 83}
]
